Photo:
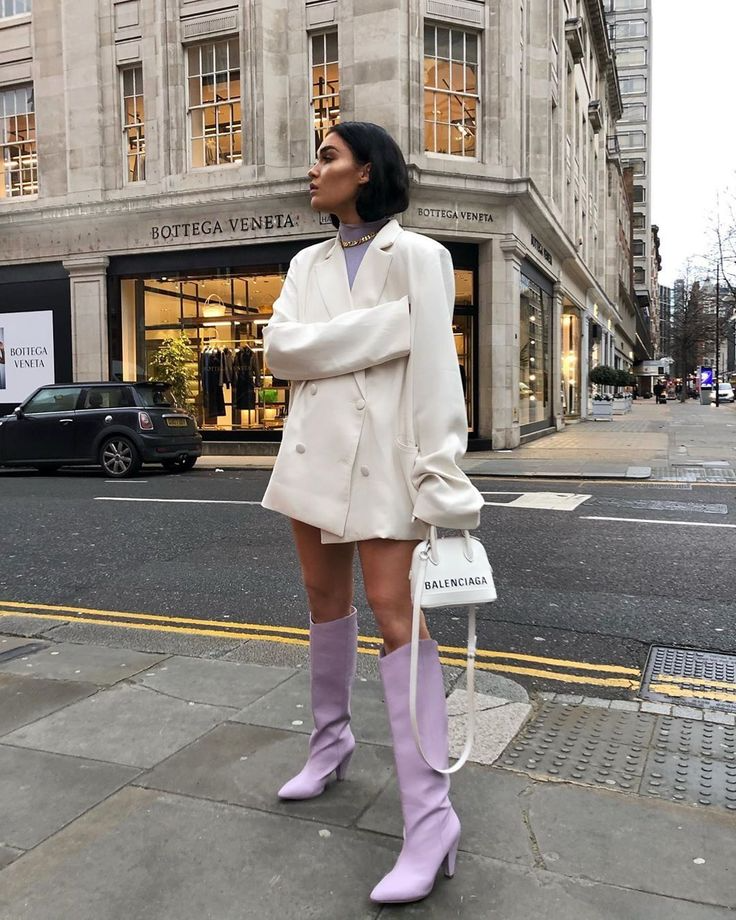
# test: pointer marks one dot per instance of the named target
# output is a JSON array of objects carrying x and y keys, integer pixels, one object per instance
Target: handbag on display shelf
[{"x": 448, "y": 572}]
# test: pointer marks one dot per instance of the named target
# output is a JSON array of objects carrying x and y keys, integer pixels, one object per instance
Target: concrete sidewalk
[
  {"x": 142, "y": 785},
  {"x": 675, "y": 442}
]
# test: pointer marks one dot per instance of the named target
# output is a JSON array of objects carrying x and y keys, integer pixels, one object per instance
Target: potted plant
[
  {"x": 603, "y": 376},
  {"x": 622, "y": 403},
  {"x": 171, "y": 363}
]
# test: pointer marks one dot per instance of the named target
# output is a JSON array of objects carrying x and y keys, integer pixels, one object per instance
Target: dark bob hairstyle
[{"x": 387, "y": 191}]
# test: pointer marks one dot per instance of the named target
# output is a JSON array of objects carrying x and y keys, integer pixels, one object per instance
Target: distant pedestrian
[
  {"x": 376, "y": 429},
  {"x": 658, "y": 391}
]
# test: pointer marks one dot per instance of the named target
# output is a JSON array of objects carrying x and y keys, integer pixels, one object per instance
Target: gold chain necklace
[{"x": 348, "y": 244}]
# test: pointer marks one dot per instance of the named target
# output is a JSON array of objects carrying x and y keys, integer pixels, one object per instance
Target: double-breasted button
[
  {"x": 313, "y": 389},
  {"x": 360, "y": 404},
  {"x": 364, "y": 471},
  {"x": 300, "y": 448}
]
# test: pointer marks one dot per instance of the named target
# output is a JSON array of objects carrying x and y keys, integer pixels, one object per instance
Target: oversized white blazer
[{"x": 377, "y": 420}]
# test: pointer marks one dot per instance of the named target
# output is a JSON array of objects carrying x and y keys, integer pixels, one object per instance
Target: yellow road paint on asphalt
[
  {"x": 288, "y": 635},
  {"x": 669, "y": 690},
  {"x": 695, "y": 681}
]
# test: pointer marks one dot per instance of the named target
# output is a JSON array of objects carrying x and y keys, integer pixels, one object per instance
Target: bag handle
[{"x": 414, "y": 663}]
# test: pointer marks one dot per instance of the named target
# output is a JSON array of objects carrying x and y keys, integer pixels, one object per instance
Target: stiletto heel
[
  {"x": 342, "y": 768},
  {"x": 450, "y": 859}
]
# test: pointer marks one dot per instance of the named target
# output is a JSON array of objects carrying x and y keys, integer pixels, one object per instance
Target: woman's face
[{"x": 336, "y": 179}]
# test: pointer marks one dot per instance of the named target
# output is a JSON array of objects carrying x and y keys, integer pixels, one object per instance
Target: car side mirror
[{"x": 18, "y": 411}]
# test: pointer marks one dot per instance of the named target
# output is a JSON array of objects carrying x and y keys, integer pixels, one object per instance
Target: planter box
[
  {"x": 622, "y": 406},
  {"x": 602, "y": 410}
]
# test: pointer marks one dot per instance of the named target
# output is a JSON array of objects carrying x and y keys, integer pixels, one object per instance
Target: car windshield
[{"x": 156, "y": 395}]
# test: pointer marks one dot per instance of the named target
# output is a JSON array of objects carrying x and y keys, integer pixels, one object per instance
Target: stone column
[
  {"x": 558, "y": 415},
  {"x": 88, "y": 283},
  {"x": 505, "y": 344}
]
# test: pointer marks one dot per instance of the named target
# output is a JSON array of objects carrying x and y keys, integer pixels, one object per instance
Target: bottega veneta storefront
[{"x": 215, "y": 302}]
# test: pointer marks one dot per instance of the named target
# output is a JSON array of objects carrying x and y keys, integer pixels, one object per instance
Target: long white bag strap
[{"x": 413, "y": 677}]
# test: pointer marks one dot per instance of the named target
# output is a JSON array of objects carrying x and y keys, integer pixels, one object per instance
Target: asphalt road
[{"x": 593, "y": 577}]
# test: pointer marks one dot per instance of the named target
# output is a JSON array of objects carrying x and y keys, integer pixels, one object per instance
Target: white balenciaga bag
[{"x": 448, "y": 572}]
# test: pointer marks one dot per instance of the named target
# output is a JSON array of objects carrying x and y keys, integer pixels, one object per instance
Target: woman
[{"x": 363, "y": 329}]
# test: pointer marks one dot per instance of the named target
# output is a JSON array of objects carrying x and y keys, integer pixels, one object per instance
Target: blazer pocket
[{"x": 407, "y": 454}]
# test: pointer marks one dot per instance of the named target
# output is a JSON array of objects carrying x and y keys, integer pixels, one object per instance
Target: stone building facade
[{"x": 155, "y": 159}]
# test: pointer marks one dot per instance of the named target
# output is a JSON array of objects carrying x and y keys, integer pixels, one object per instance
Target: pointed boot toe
[{"x": 311, "y": 781}]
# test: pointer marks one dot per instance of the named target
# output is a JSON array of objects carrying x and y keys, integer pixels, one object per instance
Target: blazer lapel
[{"x": 332, "y": 278}]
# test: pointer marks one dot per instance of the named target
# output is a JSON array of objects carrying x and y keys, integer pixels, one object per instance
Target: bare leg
[
  {"x": 385, "y": 565},
  {"x": 327, "y": 571}
]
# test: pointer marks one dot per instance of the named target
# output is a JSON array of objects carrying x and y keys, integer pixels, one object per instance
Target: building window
[
  {"x": 636, "y": 111},
  {"x": 14, "y": 8},
  {"x": 631, "y": 85},
  {"x": 18, "y": 142},
  {"x": 632, "y": 139},
  {"x": 630, "y": 28},
  {"x": 638, "y": 165},
  {"x": 325, "y": 84},
  {"x": 631, "y": 57},
  {"x": 638, "y": 248},
  {"x": 640, "y": 194},
  {"x": 640, "y": 276},
  {"x": 639, "y": 221},
  {"x": 621, "y": 6},
  {"x": 451, "y": 101},
  {"x": 215, "y": 118},
  {"x": 134, "y": 128}
]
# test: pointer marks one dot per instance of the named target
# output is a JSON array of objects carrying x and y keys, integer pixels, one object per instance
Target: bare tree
[{"x": 693, "y": 322}]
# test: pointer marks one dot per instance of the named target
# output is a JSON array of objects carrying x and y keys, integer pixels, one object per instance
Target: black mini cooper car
[{"x": 119, "y": 426}]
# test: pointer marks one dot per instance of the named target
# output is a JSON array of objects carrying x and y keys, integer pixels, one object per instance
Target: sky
[{"x": 693, "y": 122}]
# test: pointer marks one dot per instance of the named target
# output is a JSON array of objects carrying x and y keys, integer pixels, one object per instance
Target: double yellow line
[{"x": 556, "y": 669}]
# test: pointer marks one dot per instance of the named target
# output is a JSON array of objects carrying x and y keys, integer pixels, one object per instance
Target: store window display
[
  {"x": 534, "y": 352},
  {"x": 221, "y": 316}
]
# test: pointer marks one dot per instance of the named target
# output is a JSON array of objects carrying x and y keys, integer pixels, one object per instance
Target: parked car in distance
[
  {"x": 725, "y": 393},
  {"x": 118, "y": 426}
]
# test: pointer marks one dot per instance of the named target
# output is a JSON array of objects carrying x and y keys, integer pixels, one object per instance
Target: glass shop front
[{"x": 200, "y": 315}]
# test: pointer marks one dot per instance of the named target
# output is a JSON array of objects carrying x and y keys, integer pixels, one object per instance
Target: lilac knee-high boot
[
  {"x": 333, "y": 651},
  {"x": 431, "y": 827}
]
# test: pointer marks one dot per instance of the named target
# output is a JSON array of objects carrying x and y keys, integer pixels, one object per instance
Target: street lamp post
[{"x": 718, "y": 344}]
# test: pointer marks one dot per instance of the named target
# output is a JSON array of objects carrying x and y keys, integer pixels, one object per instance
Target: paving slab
[
  {"x": 88, "y": 663},
  {"x": 484, "y": 889},
  {"x": 8, "y": 855},
  {"x": 25, "y": 699},
  {"x": 219, "y": 683},
  {"x": 10, "y": 643},
  {"x": 288, "y": 707},
  {"x": 246, "y": 765},
  {"x": 497, "y": 722},
  {"x": 31, "y": 627},
  {"x": 41, "y": 793},
  {"x": 146, "y": 854},
  {"x": 125, "y": 725},
  {"x": 634, "y": 842},
  {"x": 490, "y": 805}
]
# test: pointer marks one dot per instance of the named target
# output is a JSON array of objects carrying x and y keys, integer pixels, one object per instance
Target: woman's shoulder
[
  {"x": 311, "y": 254},
  {"x": 418, "y": 243}
]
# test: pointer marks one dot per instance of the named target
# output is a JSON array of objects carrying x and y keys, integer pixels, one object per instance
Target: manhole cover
[{"x": 690, "y": 677}]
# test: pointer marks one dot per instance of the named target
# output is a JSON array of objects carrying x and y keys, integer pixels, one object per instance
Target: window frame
[
  {"x": 477, "y": 119},
  {"x": 632, "y": 92},
  {"x": 14, "y": 3},
  {"x": 6, "y": 192},
  {"x": 128, "y": 127},
  {"x": 202, "y": 107},
  {"x": 624, "y": 33},
  {"x": 325, "y": 129}
]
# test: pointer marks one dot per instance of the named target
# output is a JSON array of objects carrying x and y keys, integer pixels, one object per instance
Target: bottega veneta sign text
[{"x": 220, "y": 227}]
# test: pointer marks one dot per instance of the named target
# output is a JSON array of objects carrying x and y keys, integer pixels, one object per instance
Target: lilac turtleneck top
[{"x": 354, "y": 255}]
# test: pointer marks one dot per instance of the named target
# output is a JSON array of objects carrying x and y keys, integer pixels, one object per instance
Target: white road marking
[
  {"x": 127, "y": 482},
  {"x": 175, "y": 501},
  {"x": 542, "y": 501},
  {"x": 652, "y": 521}
]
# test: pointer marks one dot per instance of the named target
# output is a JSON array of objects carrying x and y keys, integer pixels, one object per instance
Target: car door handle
[{"x": 66, "y": 421}]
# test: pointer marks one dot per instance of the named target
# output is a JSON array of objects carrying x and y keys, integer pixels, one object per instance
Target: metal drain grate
[{"x": 690, "y": 677}]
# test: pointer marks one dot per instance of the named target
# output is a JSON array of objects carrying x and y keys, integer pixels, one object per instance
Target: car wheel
[
  {"x": 119, "y": 458},
  {"x": 179, "y": 466},
  {"x": 47, "y": 467}
]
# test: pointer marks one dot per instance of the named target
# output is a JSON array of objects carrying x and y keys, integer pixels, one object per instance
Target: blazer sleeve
[
  {"x": 446, "y": 497},
  {"x": 351, "y": 342}
]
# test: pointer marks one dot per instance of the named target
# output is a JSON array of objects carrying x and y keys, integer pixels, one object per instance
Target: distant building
[{"x": 666, "y": 307}]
